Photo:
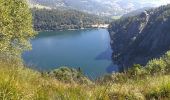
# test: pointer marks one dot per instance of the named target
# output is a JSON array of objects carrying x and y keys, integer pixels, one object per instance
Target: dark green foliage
[
  {"x": 69, "y": 75},
  {"x": 136, "y": 69},
  {"x": 155, "y": 67},
  {"x": 60, "y": 19}
]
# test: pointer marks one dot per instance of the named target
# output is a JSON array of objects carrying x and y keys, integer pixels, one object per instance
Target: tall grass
[{"x": 20, "y": 83}]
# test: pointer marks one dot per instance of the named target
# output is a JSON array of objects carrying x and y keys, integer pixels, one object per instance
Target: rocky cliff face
[{"x": 135, "y": 40}]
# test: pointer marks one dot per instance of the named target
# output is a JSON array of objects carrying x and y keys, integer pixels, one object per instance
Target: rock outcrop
[{"x": 135, "y": 40}]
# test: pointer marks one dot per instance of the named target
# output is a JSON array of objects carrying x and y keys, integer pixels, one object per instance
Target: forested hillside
[{"x": 60, "y": 19}]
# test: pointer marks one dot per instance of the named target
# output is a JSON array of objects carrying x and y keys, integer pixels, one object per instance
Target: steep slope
[{"x": 141, "y": 38}]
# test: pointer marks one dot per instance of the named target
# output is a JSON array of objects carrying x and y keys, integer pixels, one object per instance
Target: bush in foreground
[{"x": 18, "y": 82}]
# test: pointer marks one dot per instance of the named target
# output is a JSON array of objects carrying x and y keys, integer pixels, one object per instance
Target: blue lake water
[{"x": 88, "y": 49}]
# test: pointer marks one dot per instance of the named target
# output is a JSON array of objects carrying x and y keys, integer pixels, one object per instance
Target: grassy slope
[{"x": 18, "y": 83}]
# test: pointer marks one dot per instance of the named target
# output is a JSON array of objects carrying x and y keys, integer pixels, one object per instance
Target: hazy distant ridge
[{"x": 99, "y": 7}]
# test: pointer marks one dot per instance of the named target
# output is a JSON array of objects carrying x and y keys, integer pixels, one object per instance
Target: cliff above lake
[{"x": 137, "y": 39}]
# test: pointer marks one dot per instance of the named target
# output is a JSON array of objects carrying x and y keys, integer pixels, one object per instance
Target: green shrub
[
  {"x": 136, "y": 71},
  {"x": 160, "y": 92},
  {"x": 69, "y": 75},
  {"x": 166, "y": 58},
  {"x": 156, "y": 66}
]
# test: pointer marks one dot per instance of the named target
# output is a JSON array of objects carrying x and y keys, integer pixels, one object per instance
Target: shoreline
[{"x": 72, "y": 29}]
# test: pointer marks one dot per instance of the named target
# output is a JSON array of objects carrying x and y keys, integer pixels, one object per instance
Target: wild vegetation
[
  {"x": 62, "y": 19},
  {"x": 15, "y": 28},
  {"x": 17, "y": 82},
  {"x": 138, "y": 83}
]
